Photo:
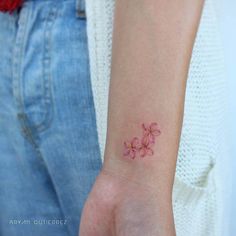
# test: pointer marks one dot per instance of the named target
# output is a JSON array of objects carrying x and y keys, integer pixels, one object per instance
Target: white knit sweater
[{"x": 196, "y": 196}]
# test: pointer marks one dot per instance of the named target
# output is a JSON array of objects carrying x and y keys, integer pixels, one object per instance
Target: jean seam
[
  {"x": 17, "y": 62},
  {"x": 47, "y": 75},
  {"x": 27, "y": 130}
]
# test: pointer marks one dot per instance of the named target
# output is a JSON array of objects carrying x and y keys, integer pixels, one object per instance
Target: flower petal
[
  {"x": 142, "y": 152},
  {"x": 156, "y": 132},
  {"x": 151, "y": 139},
  {"x": 135, "y": 142},
  {"x": 127, "y": 144},
  {"x": 144, "y": 127},
  {"x": 153, "y": 126},
  {"x": 149, "y": 151},
  {"x": 126, "y": 152},
  {"x": 132, "y": 154},
  {"x": 146, "y": 140}
]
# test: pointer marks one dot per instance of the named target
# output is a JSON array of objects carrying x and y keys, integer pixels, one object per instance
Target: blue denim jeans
[{"x": 49, "y": 151}]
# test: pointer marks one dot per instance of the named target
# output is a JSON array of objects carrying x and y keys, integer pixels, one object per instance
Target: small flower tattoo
[
  {"x": 151, "y": 131},
  {"x": 142, "y": 147},
  {"x": 131, "y": 148},
  {"x": 145, "y": 149}
]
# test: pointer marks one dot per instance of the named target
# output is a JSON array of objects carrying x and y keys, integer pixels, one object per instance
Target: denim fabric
[{"x": 49, "y": 151}]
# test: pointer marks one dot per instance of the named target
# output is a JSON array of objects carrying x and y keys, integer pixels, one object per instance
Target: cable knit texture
[{"x": 196, "y": 197}]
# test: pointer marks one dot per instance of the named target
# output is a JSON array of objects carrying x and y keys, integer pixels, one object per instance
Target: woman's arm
[{"x": 152, "y": 45}]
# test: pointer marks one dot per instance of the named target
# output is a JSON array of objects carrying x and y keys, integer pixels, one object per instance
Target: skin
[{"x": 152, "y": 46}]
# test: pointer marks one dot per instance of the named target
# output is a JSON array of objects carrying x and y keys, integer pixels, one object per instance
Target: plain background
[{"x": 227, "y": 20}]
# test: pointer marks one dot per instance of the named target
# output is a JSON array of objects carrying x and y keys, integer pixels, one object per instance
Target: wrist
[
  {"x": 137, "y": 202},
  {"x": 139, "y": 176}
]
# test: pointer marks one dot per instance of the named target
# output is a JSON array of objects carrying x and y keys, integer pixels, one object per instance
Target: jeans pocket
[{"x": 32, "y": 67}]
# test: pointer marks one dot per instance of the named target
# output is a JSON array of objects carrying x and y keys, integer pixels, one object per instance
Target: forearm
[{"x": 152, "y": 45}]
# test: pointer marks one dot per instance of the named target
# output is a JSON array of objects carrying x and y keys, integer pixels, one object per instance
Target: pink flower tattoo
[
  {"x": 131, "y": 148},
  {"x": 142, "y": 147},
  {"x": 145, "y": 149},
  {"x": 151, "y": 131}
]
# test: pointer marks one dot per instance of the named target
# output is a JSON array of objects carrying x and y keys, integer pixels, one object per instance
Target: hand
[{"x": 119, "y": 207}]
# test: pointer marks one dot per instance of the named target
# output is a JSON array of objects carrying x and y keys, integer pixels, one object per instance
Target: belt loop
[{"x": 80, "y": 9}]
